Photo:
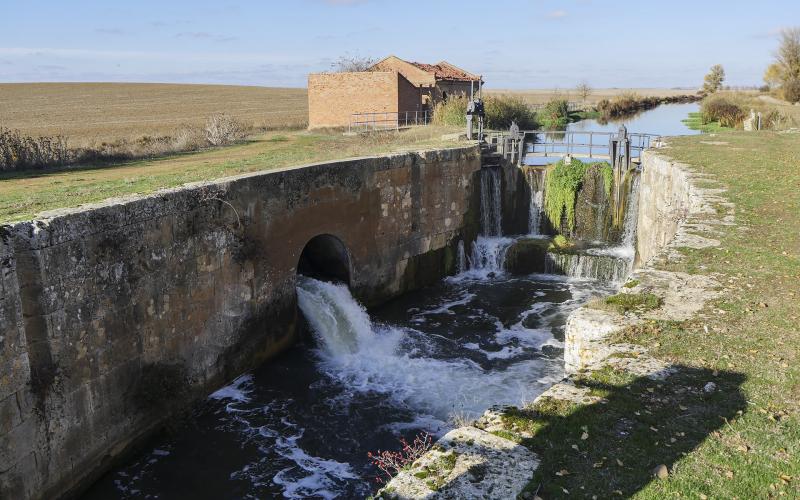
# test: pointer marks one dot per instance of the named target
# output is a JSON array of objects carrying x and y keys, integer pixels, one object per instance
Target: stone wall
[
  {"x": 187, "y": 288},
  {"x": 664, "y": 200}
]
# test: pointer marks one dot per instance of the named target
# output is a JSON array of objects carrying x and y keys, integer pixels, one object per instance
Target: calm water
[{"x": 663, "y": 120}]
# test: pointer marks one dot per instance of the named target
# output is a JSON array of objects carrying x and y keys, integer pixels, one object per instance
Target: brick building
[{"x": 390, "y": 86}]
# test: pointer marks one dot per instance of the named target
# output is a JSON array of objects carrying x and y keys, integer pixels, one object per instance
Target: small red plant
[{"x": 392, "y": 462}]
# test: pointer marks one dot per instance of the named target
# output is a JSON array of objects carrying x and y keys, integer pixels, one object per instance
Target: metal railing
[
  {"x": 388, "y": 120},
  {"x": 580, "y": 144}
]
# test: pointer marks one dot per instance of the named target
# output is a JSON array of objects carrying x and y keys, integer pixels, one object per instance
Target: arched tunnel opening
[{"x": 325, "y": 258}]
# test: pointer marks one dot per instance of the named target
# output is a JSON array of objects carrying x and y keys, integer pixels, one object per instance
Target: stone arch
[{"x": 325, "y": 257}]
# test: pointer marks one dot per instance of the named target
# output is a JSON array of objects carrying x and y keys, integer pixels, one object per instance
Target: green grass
[
  {"x": 695, "y": 122},
  {"x": 741, "y": 440},
  {"x": 632, "y": 302},
  {"x": 25, "y": 194}
]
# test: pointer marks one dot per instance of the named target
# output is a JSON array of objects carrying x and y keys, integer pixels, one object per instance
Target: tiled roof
[{"x": 445, "y": 71}]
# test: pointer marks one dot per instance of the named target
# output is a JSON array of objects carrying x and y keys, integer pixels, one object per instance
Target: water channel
[{"x": 300, "y": 426}]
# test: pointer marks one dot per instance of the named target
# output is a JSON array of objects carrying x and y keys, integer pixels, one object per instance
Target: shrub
[
  {"x": 722, "y": 110},
  {"x": 392, "y": 462},
  {"x": 452, "y": 112},
  {"x": 18, "y": 151},
  {"x": 223, "y": 129},
  {"x": 791, "y": 90},
  {"x": 555, "y": 113},
  {"x": 500, "y": 111}
]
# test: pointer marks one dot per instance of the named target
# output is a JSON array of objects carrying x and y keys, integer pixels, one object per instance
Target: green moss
[
  {"x": 507, "y": 435},
  {"x": 627, "y": 302},
  {"x": 608, "y": 177},
  {"x": 553, "y": 407},
  {"x": 631, "y": 284},
  {"x": 562, "y": 183},
  {"x": 422, "y": 474}
]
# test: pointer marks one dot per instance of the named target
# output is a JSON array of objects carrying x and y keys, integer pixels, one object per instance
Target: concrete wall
[{"x": 186, "y": 289}]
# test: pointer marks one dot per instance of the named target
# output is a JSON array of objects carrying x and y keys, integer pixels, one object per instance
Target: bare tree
[
  {"x": 713, "y": 80},
  {"x": 788, "y": 55},
  {"x": 348, "y": 63},
  {"x": 583, "y": 89}
]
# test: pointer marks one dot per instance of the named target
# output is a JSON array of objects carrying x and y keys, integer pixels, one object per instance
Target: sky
[{"x": 514, "y": 44}]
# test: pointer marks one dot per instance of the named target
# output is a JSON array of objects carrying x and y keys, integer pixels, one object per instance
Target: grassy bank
[
  {"x": 740, "y": 438},
  {"x": 24, "y": 194}
]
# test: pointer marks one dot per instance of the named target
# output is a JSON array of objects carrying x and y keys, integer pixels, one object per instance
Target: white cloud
[{"x": 557, "y": 14}]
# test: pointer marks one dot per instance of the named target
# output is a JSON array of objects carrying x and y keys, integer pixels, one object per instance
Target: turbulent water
[{"x": 300, "y": 426}]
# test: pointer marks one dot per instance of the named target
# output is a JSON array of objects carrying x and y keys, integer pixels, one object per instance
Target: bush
[
  {"x": 452, "y": 112},
  {"x": 791, "y": 90},
  {"x": 555, "y": 113},
  {"x": 224, "y": 129},
  {"x": 500, "y": 111},
  {"x": 722, "y": 110},
  {"x": 19, "y": 151}
]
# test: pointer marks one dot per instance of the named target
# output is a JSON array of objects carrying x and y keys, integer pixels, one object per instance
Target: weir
[{"x": 415, "y": 321}]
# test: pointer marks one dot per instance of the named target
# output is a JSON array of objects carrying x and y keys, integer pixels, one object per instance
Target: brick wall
[{"x": 334, "y": 97}]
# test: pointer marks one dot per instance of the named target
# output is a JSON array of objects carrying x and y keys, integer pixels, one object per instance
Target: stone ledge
[{"x": 466, "y": 463}]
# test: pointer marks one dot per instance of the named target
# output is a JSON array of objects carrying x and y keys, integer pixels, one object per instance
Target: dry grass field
[
  {"x": 541, "y": 96},
  {"x": 92, "y": 113}
]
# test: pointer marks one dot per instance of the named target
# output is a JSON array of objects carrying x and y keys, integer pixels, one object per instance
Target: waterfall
[
  {"x": 601, "y": 264},
  {"x": 461, "y": 258},
  {"x": 491, "y": 209},
  {"x": 631, "y": 215},
  {"x": 613, "y": 263},
  {"x": 488, "y": 256},
  {"x": 340, "y": 324},
  {"x": 369, "y": 358},
  {"x": 535, "y": 177}
]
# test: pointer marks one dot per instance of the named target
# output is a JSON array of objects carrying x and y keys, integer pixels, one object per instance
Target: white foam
[
  {"x": 238, "y": 390},
  {"x": 376, "y": 359}
]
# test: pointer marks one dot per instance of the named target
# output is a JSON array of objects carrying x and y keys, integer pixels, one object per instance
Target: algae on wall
[{"x": 577, "y": 197}]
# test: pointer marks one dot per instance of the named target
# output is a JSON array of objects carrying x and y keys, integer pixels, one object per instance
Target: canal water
[
  {"x": 300, "y": 426},
  {"x": 664, "y": 120}
]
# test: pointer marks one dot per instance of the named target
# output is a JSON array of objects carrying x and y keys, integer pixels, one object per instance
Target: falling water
[
  {"x": 488, "y": 252},
  {"x": 390, "y": 360},
  {"x": 461, "y": 258},
  {"x": 535, "y": 177},
  {"x": 631, "y": 214},
  {"x": 599, "y": 264},
  {"x": 610, "y": 263},
  {"x": 491, "y": 210}
]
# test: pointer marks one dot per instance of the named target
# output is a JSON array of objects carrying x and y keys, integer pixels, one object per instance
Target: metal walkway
[{"x": 619, "y": 148}]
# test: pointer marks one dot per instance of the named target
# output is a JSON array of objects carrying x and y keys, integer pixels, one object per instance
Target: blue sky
[{"x": 513, "y": 43}]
